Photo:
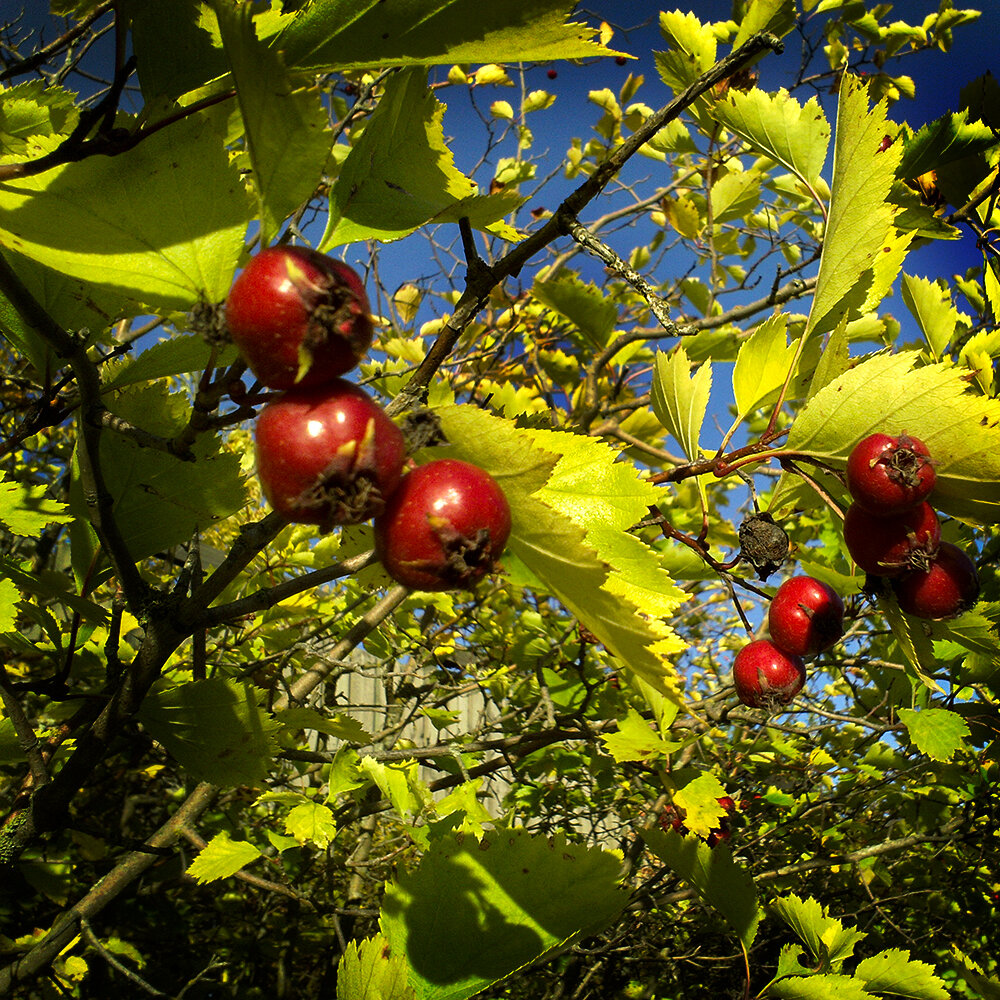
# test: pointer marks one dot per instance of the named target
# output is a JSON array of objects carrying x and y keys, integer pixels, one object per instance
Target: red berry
[
  {"x": 298, "y": 317},
  {"x": 887, "y": 475},
  {"x": 765, "y": 676},
  {"x": 672, "y": 819},
  {"x": 889, "y": 546},
  {"x": 949, "y": 585},
  {"x": 444, "y": 527},
  {"x": 552, "y": 74},
  {"x": 722, "y": 835},
  {"x": 328, "y": 454},
  {"x": 805, "y": 616},
  {"x": 727, "y": 803}
]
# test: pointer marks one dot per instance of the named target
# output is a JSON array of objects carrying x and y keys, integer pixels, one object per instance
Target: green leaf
[
  {"x": 593, "y": 313},
  {"x": 860, "y": 217},
  {"x": 171, "y": 356},
  {"x": 369, "y": 970},
  {"x": 26, "y": 511},
  {"x": 935, "y": 731},
  {"x": 945, "y": 140},
  {"x": 311, "y": 823},
  {"x": 71, "y": 304},
  {"x": 356, "y": 34},
  {"x": 53, "y": 587},
  {"x": 220, "y": 858},
  {"x": 176, "y": 47},
  {"x": 341, "y": 727},
  {"x": 930, "y": 305},
  {"x": 170, "y": 235},
  {"x": 795, "y": 135},
  {"x": 215, "y": 729},
  {"x": 568, "y": 498},
  {"x": 933, "y": 403},
  {"x": 822, "y": 987},
  {"x": 399, "y": 782},
  {"x": 160, "y": 500},
  {"x": 287, "y": 127},
  {"x": 893, "y": 971},
  {"x": 763, "y": 364},
  {"x": 735, "y": 195},
  {"x": 825, "y": 936},
  {"x": 776, "y": 16},
  {"x": 699, "y": 798},
  {"x": 679, "y": 399},
  {"x": 692, "y": 49},
  {"x": 834, "y": 360},
  {"x": 473, "y": 912},
  {"x": 401, "y": 174},
  {"x": 982, "y": 985},
  {"x": 721, "y": 883},
  {"x": 636, "y": 740},
  {"x": 33, "y": 109},
  {"x": 9, "y": 596}
]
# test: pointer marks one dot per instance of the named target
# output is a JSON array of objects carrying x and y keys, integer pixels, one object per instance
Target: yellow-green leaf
[
  {"x": 795, "y": 135},
  {"x": 401, "y": 174},
  {"x": 679, "y": 399},
  {"x": 860, "y": 217},
  {"x": 286, "y": 125},
  {"x": 763, "y": 364},
  {"x": 935, "y": 731},
  {"x": 221, "y": 857},
  {"x": 888, "y": 393}
]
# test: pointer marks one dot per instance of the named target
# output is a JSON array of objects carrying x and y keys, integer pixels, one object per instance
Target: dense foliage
[{"x": 238, "y": 760}]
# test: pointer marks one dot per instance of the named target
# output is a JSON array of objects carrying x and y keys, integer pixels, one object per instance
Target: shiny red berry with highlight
[
  {"x": 444, "y": 527},
  {"x": 806, "y": 616},
  {"x": 765, "y": 676},
  {"x": 298, "y": 317},
  {"x": 948, "y": 587},
  {"x": 887, "y": 475},
  {"x": 891, "y": 546},
  {"x": 328, "y": 454}
]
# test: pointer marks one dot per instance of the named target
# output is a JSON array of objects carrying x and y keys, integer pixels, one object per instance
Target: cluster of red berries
[
  {"x": 805, "y": 617},
  {"x": 327, "y": 453},
  {"x": 892, "y": 531}
]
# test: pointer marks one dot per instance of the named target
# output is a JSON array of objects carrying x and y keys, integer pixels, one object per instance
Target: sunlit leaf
[
  {"x": 171, "y": 235},
  {"x": 473, "y": 912},
  {"x": 721, "y": 883},
  {"x": 935, "y": 731},
  {"x": 888, "y": 393},
  {"x": 370, "y": 970},
  {"x": 401, "y": 174},
  {"x": 680, "y": 399},
  {"x": 860, "y": 218},
  {"x": 287, "y": 127},
  {"x": 795, "y": 135},
  {"x": 355, "y": 34},
  {"x": 221, "y": 857}
]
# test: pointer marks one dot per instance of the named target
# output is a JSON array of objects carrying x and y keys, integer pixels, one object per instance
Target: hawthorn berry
[
  {"x": 889, "y": 546},
  {"x": 444, "y": 527},
  {"x": 328, "y": 454},
  {"x": 806, "y": 616},
  {"x": 887, "y": 475},
  {"x": 947, "y": 587},
  {"x": 766, "y": 676},
  {"x": 298, "y": 317}
]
